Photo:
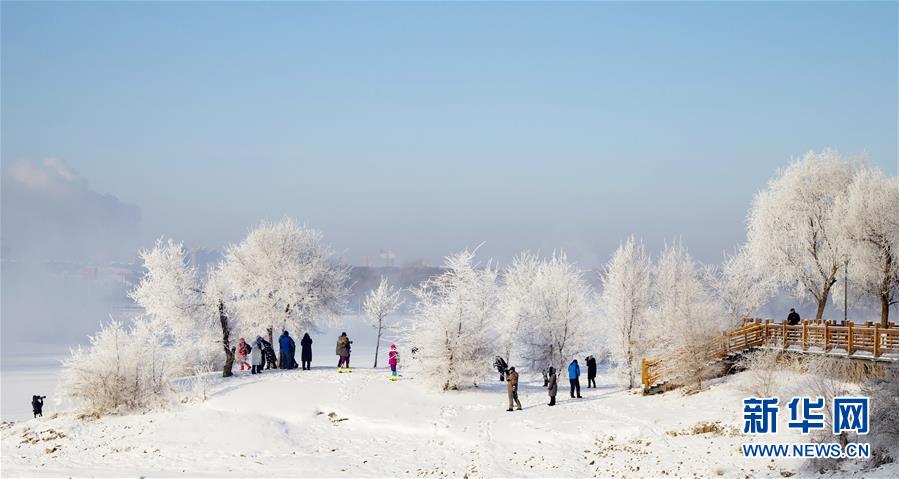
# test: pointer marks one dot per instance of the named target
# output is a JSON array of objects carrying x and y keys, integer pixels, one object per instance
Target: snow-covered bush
[
  {"x": 550, "y": 310},
  {"x": 869, "y": 215},
  {"x": 626, "y": 284},
  {"x": 123, "y": 369},
  {"x": 765, "y": 372},
  {"x": 793, "y": 233},
  {"x": 282, "y": 276},
  {"x": 452, "y": 329},
  {"x": 884, "y": 417},
  {"x": 378, "y": 304}
]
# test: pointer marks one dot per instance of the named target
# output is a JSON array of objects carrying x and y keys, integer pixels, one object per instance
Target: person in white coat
[{"x": 257, "y": 360}]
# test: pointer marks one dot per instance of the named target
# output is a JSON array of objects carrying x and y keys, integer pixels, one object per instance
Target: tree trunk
[
  {"x": 226, "y": 342},
  {"x": 378, "y": 344},
  {"x": 822, "y": 301},
  {"x": 885, "y": 293},
  {"x": 630, "y": 368}
]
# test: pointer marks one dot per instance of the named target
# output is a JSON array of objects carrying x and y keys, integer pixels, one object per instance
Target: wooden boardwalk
[{"x": 867, "y": 341}]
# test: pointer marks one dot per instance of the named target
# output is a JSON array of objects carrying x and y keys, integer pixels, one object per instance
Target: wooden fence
[{"x": 868, "y": 341}]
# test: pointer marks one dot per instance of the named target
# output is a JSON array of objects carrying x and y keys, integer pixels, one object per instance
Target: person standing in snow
[
  {"x": 343, "y": 350},
  {"x": 574, "y": 373},
  {"x": 501, "y": 366},
  {"x": 553, "y": 386},
  {"x": 793, "y": 318},
  {"x": 243, "y": 349},
  {"x": 293, "y": 355},
  {"x": 37, "y": 405},
  {"x": 393, "y": 358},
  {"x": 268, "y": 353},
  {"x": 591, "y": 371},
  {"x": 284, "y": 346},
  {"x": 306, "y": 352},
  {"x": 512, "y": 388},
  {"x": 257, "y": 358}
]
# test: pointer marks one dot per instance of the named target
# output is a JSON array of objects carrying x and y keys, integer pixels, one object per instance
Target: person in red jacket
[
  {"x": 393, "y": 358},
  {"x": 243, "y": 349}
]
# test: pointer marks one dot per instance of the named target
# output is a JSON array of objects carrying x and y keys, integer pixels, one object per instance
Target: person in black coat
[
  {"x": 591, "y": 371},
  {"x": 306, "y": 353},
  {"x": 793, "y": 318},
  {"x": 501, "y": 366},
  {"x": 37, "y": 405},
  {"x": 268, "y": 352}
]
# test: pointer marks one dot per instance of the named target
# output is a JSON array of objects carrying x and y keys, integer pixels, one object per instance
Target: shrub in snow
[
  {"x": 794, "y": 235},
  {"x": 281, "y": 276},
  {"x": 765, "y": 372},
  {"x": 626, "y": 284},
  {"x": 884, "y": 417},
  {"x": 123, "y": 369},
  {"x": 452, "y": 331},
  {"x": 378, "y": 304},
  {"x": 869, "y": 215}
]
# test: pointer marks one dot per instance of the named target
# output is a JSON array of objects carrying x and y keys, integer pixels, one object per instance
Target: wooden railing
[{"x": 868, "y": 341}]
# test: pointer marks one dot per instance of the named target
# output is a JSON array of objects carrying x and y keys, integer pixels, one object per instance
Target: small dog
[{"x": 37, "y": 404}]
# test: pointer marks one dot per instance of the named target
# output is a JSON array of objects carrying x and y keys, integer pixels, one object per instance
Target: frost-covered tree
[
  {"x": 626, "y": 284},
  {"x": 216, "y": 300},
  {"x": 739, "y": 286},
  {"x": 171, "y": 294},
  {"x": 282, "y": 275},
  {"x": 793, "y": 234},
  {"x": 378, "y": 305},
  {"x": 869, "y": 214},
  {"x": 552, "y": 309},
  {"x": 687, "y": 317},
  {"x": 452, "y": 328},
  {"x": 515, "y": 306}
]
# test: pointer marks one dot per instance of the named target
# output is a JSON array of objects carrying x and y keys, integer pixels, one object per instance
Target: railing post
[
  {"x": 785, "y": 334},
  {"x": 645, "y": 378},
  {"x": 826, "y": 335},
  {"x": 849, "y": 340},
  {"x": 805, "y": 335},
  {"x": 877, "y": 340}
]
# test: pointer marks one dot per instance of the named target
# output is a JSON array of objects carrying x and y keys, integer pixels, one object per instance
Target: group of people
[
  {"x": 260, "y": 355},
  {"x": 550, "y": 380}
]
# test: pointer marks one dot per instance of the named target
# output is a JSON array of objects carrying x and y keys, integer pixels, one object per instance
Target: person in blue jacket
[
  {"x": 574, "y": 372},
  {"x": 286, "y": 344}
]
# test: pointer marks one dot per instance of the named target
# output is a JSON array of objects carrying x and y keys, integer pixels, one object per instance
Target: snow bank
[{"x": 321, "y": 423}]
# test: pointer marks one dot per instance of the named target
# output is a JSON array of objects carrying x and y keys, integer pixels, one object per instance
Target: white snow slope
[{"x": 325, "y": 424}]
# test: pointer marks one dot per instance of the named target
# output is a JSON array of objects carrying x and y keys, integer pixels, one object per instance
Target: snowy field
[{"x": 321, "y": 423}]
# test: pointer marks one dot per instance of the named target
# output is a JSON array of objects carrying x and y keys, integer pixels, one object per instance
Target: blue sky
[{"x": 426, "y": 128}]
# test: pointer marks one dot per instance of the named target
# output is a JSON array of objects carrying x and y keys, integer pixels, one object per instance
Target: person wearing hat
[
  {"x": 393, "y": 358},
  {"x": 512, "y": 388},
  {"x": 243, "y": 349},
  {"x": 343, "y": 350},
  {"x": 793, "y": 318}
]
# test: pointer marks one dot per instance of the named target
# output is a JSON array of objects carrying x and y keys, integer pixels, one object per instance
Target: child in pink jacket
[{"x": 393, "y": 358}]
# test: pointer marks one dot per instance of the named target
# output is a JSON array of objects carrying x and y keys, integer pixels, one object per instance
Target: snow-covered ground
[{"x": 321, "y": 423}]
